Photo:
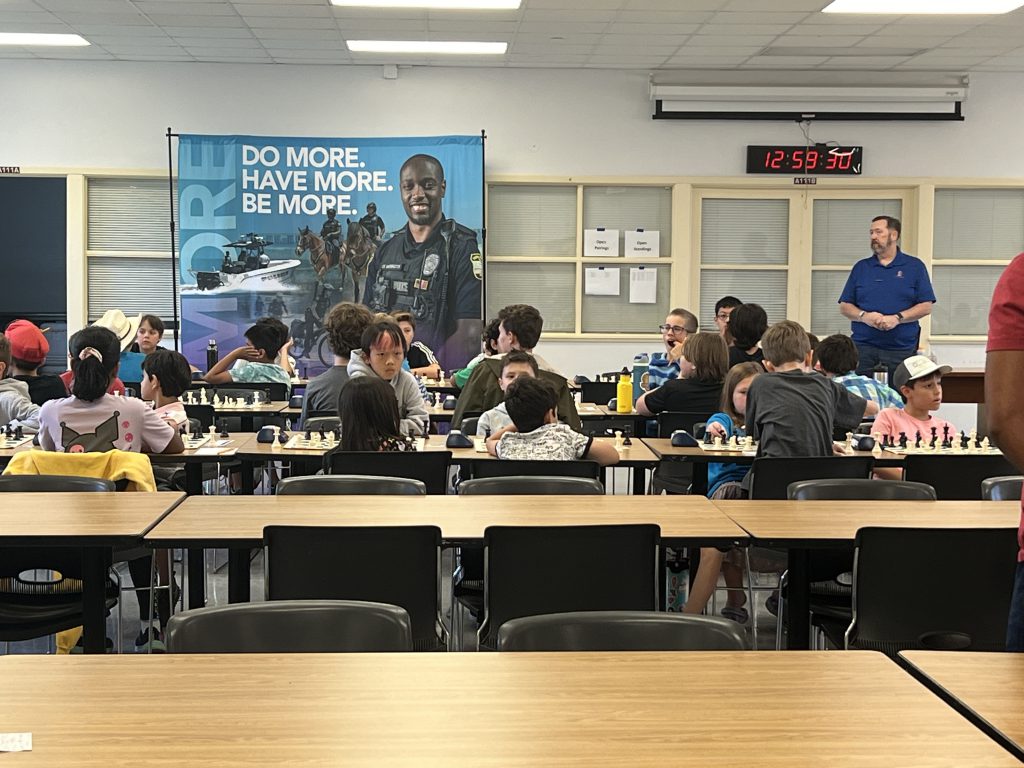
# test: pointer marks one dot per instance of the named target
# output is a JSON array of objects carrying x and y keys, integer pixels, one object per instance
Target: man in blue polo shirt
[{"x": 884, "y": 297}]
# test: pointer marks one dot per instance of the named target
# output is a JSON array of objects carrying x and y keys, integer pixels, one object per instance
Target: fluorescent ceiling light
[
  {"x": 34, "y": 38},
  {"x": 460, "y": 5},
  {"x": 425, "y": 46},
  {"x": 930, "y": 7}
]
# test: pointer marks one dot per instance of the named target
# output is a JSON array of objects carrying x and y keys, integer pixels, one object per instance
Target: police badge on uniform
[
  {"x": 477, "y": 262},
  {"x": 430, "y": 262}
]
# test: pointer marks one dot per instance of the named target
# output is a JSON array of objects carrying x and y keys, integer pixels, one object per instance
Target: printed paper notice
[
  {"x": 601, "y": 281},
  {"x": 601, "y": 242},
  {"x": 643, "y": 285},
  {"x": 15, "y": 742},
  {"x": 643, "y": 244}
]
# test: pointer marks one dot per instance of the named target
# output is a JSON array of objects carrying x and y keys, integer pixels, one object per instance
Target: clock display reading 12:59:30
[{"x": 817, "y": 160}]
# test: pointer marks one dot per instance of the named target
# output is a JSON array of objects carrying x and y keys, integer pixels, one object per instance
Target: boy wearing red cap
[{"x": 29, "y": 348}]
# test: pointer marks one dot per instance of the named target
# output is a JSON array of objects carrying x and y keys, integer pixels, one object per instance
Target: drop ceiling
[{"x": 652, "y": 35}]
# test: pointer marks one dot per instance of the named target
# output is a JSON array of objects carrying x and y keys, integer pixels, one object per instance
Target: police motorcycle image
[{"x": 251, "y": 270}]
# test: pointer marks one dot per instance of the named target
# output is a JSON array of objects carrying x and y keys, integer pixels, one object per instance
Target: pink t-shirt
[
  {"x": 1006, "y": 333},
  {"x": 126, "y": 423},
  {"x": 892, "y": 421},
  {"x": 173, "y": 413}
]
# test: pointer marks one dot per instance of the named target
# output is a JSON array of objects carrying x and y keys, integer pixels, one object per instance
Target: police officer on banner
[
  {"x": 372, "y": 223},
  {"x": 331, "y": 231},
  {"x": 431, "y": 267}
]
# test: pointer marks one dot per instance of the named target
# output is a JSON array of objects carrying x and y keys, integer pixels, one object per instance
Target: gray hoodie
[
  {"x": 16, "y": 408},
  {"x": 411, "y": 408}
]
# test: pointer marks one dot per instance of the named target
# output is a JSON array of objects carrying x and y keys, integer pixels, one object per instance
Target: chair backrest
[
  {"x": 770, "y": 477},
  {"x": 274, "y": 390},
  {"x": 51, "y": 483},
  {"x": 352, "y": 485},
  {"x": 1007, "y": 488},
  {"x": 856, "y": 488},
  {"x": 326, "y": 423},
  {"x": 291, "y": 626},
  {"x": 670, "y": 421},
  {"x": 204, "y": 414},
  {"x": 430, "y": 467},
  {"x": 520, "y": 485},
  {"x": 956, "y": 477},
  {"x": 469, "y": 425},
  {"x": 621, "y": 631},
  {"x": 899, "y": 605},
  {"x": 400, "y": 565},
  {"x": 597, "y": 391},
  {"x": 526, "y": 467},
  {"x": 534, "y": 570}
]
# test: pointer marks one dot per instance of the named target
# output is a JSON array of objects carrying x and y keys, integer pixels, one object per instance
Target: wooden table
[
  {"x": 95, "y": 522},
  {"x": 800, "y": 526},
  {"x": 511, "y": 710},
  {"x": 987, "y": 688},
  {"x": 237, "y": 522},
  {"x": 964, "y": 385}
]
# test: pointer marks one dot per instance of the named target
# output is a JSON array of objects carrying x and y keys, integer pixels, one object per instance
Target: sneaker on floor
[
  {"x": 736, "y": 613},
  {"x": 144, "y": 645}
]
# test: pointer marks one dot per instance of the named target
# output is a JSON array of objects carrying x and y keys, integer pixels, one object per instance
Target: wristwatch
[
  {"x": 899, "y": 316},
  {"x": 861, "y": 315}
]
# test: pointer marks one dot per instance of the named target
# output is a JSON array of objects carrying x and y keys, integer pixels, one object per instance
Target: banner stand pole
[
  {"x": 483, "y": 222},
  {"x": 174, "y": 267}
]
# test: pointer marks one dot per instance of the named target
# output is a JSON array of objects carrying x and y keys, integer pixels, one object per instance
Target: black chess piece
[
  {"x": 282, "y": 438},
  {"x": 197, "y": 433},
  {"x": 8, "y": 432},
  {"x": 917, "y": 439},
  {"x": 707, "y": 439},
  {"x": 935, "y": 437},
  {"x": 322, "y": 435},
  {"x": 224, "y": 428},
  {"x": 903, "y": 439},
  {"x": 964, "y": 441},
  {"x": 945, "y": 433},
  {"x": 19, "y": 433},
  {"x": 626, "y": 441},
  {"x": 336, "y": 432},
  {"x": 309, "y": 435}
]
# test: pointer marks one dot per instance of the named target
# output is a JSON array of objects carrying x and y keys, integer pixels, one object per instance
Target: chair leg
[
  {"x": 750, "y": 597},
  {"x": 779, "y": 623}
]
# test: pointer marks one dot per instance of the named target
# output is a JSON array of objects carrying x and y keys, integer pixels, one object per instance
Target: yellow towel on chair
[{"x": 110, "y": 465}]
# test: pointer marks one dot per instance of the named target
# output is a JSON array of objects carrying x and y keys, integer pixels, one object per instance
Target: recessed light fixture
[
  {"x": 454, "y": 5},
  {"x": 36, "y": 38},
  {"x": 929, "y": 7},
  {"x": 426, "y": 46}
]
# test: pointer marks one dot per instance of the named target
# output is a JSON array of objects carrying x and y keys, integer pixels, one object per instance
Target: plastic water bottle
[
  {"x": 640, "y": 367},
  {"x": 211, "y": 355},
  {"x": 881, "y": 374}
]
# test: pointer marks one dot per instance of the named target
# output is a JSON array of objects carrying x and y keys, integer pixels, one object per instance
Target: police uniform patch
[
  {"x": 477, "y": 262},
  {"x": 430, "y": 262},
  {"x": 401, "y": 286},
  {"x": 421, "y": 285}
]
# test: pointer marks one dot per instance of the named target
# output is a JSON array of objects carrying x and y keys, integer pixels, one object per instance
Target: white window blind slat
[
  {"x": 841, "y": 228},
  {"x": 531, "y": 221},
  {"x": 964, "y": 295},
  {"x": 979, "y": 223},
  {"x": 615, "y": 314},
  {"x": 132, "y": 284},
  {"x": 630, "y": 208},
  {"x": 551, "y": 288},
  {"x": 736, "y": 231},
  {"x": 825, "y": 317},
  {"x": 764, "y": 287},
  {"x": 130, "y": 214}
]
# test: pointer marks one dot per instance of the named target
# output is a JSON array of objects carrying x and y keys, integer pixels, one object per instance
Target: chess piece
[
  {"x": 917, "y": 439},
  {"x": 202, "y": 397},
  {"x": 748, "y": 443},
  {"x": 627, "y": 442},
  {"x": 973, "y": 438},
  {"x": 903, "y": 440},
  {"x": 19, "y": 433},
  {"x": 984, "y": 443},
  {"x": 197, "y": 433},
  {"x": 717, "y": 443},
  {"x": 224, "y": 429},
  {"x": 216, "y": 399},
  {"x": 876, "y": 451},
  {"x": 935, "y": 437},
  {"x": 707, "y": 438},
  {"x": 851, "y": 444},
  {"x": 733, "y": 443},
  {"x": 213, "y": 433},
  {"x": 618, "y": 440}
]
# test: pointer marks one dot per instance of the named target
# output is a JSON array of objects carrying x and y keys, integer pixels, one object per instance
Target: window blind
[
  {"x": 825, "y": 316},
  {"x": 129, "y": 214},
  {"x": 979, "y": 223},
  {"x": 531, "y": 221},
  {"x": 764, "y": 287},
  {"x": 551, "y": 288},
  {"x": 132, "y": 284},
  {"x": 615, "y": 314},
  {"x": 964, "y": 295},
  {"x": 744, "y": 231},
  {"x": 841, "y": 228},
  {"x": 630, "y": 208}
]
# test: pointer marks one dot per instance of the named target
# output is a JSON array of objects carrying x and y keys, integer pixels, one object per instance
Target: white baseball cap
[{"x": 914, "y": 367}]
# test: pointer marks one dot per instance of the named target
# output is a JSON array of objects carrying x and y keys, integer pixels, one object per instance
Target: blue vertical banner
[{"x": 287, "y": 227}]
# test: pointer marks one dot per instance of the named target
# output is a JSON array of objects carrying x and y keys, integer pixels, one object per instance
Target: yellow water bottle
[{"x": 624, "y": 393}]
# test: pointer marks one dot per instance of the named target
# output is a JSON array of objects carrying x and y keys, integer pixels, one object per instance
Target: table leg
[
  {"x": 798, "y": 603},
  {"x": 248, "y": 483},
  {"x": 238, "y": 575},
  {"x": 196, "y": 578},
  {"x": 639, "y": 481},
  {"x": 94, "y": 609},
  {"x": 194, "y": 479},
  {"x": 247, "y": 422}
]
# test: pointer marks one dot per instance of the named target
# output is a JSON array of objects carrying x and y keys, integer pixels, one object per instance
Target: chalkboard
[{"x": 33, "y": 247}]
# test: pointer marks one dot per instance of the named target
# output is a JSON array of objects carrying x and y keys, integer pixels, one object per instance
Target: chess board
[
  {"x": 191, "y": 443},
  {"x": 738, "y": 447},
  {"x": 10, "y": 443},
  {"x": 314, "y": 443},
  {"x": 938, "y": 451},
  {"x": 227, "y": 403}
]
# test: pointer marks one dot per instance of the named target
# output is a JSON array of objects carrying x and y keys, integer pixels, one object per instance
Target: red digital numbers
[{"x": 774, "y": 159}]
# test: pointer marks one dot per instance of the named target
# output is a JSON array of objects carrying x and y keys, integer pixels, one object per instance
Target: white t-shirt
[
  {"x": 125, "y": 423},
  {"x": 549, "y": 442}
]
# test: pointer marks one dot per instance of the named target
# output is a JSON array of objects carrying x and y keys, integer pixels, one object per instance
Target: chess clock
[{"x": 816, "y": 160}]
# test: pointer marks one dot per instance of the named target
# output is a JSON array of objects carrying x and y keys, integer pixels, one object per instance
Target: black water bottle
[{"x": 211, "y": 354}]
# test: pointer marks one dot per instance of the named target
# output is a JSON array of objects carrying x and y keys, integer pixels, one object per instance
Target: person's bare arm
[
  {"x": 220, "y": 374},
  {"x": 601, "y": 452},
  {"x": 492, "y": 441},
  {"x": 1002, "y": 400},
  {"x": 641, "y": 406},
  {"x": 176, "y": 445},
  {"x": 430, "y": 371}
]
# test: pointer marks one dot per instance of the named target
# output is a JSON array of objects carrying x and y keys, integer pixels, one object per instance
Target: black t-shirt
[
  {"x": 691, "y": 395},
  {"x": 737, "y": 355},
  {"x": 420, "y": 355},
  {"x": 45, "y": 386}
]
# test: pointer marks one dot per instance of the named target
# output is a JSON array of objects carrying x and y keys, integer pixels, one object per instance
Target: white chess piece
[
  {"x": 733, "y": 442},
  {"x": 850, "y": 446},
  {"x": 276, "y": 445},
  {"x": 748, "y": 443},
  {"x": 213, "y": 432},
  {"x": 618, "y": 440},
  {"x": 216, "y": 399},
  {"x": 984, "y": 444},
  {"x": 973, "y": 437},
  {"x": 202, "y": 397},
  {"x": 717, "y": 443}
]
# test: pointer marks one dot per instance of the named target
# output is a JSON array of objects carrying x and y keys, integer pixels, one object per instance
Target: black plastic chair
[
  {"x": 291, "y": 626},
  {"x": 519, "y": 485},
  {"x": 856, "y": 489},
  {"x": 468, "y": 426},
  {"x": 55, "y": 483},
  {"x": 1007, "y": 488},
  {"x": 534, "y": 570},
  {"x": 365, "y": 485},
  {"x": 429, "y": 467},
  {"x": 897, "y": 606},
  {"x": 325, "y": 423},
  {"x": 621, "y": 631},
  {"x": 770, "y": 477},
  {"x": 204, "y": 414},
  {"x": 526, "y": 467},
  {"x": 956, "y": 477},
  {"x": 597, "y": 391},
  {"x": 400, "y": 565},
  {"x": 670, "y": 421}
]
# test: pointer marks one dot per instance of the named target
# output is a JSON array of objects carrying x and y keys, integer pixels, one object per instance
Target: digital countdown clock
[{"x": 815, "y": 160}]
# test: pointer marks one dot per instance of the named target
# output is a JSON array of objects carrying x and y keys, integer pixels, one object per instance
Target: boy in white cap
[{"x": 919, "y": 382}]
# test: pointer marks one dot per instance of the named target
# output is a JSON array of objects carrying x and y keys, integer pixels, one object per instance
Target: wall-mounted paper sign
[
  {"x": 643, "y": 243},
  {"x": 643, "y": 285},
  {"x": 601, "y": 281},
  {"x": 601, "y": 242}
]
